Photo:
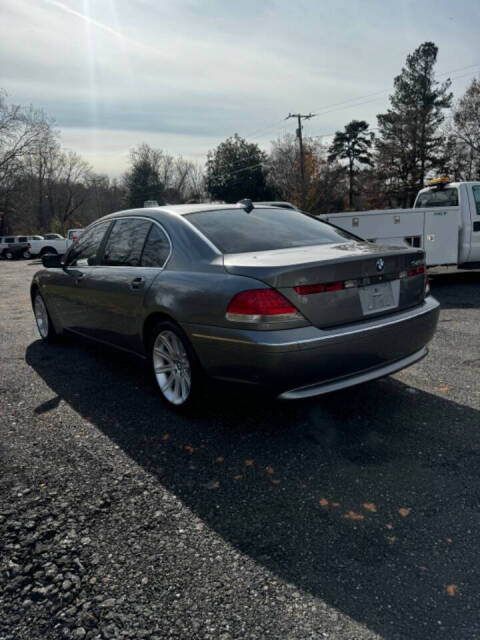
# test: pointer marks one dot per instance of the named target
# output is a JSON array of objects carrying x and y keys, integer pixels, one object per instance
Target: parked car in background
[
  {"x": 53, "y": 243},
  {"x": 260, "y": 295},
  {"x": 12, "y": 247}
]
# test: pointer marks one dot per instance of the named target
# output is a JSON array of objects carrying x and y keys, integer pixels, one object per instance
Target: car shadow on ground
[
  {"x": 456, "y": 289},
  {"x": 367, "y": 498}
]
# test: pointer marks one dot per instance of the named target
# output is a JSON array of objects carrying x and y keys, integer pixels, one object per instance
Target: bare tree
[
  {"x": 184, "y": 180},
  {"x": 324, "y": 180},
  {"x": 466, "y": 117},
  {"x": 67, "y": 186},
  {"x": 21, "y": 129}
]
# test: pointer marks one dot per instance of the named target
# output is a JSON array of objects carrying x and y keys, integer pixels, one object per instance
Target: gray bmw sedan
[{"x": 261, "y": 295}]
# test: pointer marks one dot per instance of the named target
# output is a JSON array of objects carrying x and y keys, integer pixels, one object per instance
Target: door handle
[{"x": 137, "y": 283}]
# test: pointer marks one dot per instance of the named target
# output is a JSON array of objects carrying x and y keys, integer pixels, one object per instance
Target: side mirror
[{"x": 52, "y": 261}]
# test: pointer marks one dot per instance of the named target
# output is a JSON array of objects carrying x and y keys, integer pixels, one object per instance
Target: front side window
[
  {"x": 22, "y": 238},
  {"x": 157, "y": 248},
  {"x": 438, "y": 198},
  {"x": 236, "y": 231},
  {"x": 84, "y": 252},
  {"x": 125, "y": 243},
  {"x": 476, "y": 197}
]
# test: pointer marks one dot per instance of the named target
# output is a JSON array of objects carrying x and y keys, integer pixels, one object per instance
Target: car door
[
  {"x": 117, "y": 286},
  {"x": 67, "y": 289},
  {"x": 474, "y": 255}
]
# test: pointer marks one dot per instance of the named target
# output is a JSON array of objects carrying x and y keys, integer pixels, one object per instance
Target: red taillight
[
  {"x": 307, "y": 289},
  {"x": 416, "y": 271},
  {"x": 256, "y": 305}
]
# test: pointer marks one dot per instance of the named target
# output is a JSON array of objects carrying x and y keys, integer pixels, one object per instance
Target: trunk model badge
[{"x": 380, "y": 264}]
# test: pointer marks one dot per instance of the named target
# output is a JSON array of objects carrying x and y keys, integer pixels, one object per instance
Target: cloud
[{"x": 208, "y": 68}]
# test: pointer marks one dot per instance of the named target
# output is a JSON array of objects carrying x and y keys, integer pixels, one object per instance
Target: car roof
[{"x": 179, "y": 209}]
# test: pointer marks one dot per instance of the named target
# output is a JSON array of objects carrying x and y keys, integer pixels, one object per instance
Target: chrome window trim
[{"x": 119, "y": 266}]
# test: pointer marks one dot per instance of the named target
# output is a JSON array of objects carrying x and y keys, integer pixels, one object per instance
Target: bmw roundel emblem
[{"x": 380, "y": 264}]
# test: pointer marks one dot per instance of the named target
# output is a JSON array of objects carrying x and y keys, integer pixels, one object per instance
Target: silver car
[{"x": 260, "y": 295}]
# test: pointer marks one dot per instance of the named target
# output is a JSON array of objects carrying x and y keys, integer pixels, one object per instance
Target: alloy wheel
[
  {"x": 172, "y": 367},
  {"x": 41, "y": 316}
]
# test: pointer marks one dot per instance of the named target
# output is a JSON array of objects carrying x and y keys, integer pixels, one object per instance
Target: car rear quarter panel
[{"x": 196, "y": 298}]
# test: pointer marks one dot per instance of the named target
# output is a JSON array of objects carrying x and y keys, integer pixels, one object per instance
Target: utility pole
[{"x": 301, "y": 117}]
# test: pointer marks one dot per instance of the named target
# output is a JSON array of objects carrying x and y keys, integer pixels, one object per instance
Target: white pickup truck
[
  {"x": 53, "y": 243},
  {"x": 444, "y": 221}
]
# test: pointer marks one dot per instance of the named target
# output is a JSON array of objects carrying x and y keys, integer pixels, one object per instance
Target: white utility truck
[
  {"x": 53, "y": 243},
  {"x": 444, "y": 221}
]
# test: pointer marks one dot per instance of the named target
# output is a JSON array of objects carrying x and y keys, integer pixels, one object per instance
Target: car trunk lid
[{"x": 338, "y": 283}]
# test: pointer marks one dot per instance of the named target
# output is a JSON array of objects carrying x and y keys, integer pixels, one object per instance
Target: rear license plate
[{"x": 378, "y": 297}]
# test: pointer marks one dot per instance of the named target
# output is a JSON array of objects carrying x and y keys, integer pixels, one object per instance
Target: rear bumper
[
  {"x": 351, "y": 380},
  {"x": 310, "y": 361}
]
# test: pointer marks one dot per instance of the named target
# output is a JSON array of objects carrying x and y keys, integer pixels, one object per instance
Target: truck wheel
[
  {"x": 48, "y": 250},
  {"x": 26, "y": 254},
  {"x": 9, "y": 255}
]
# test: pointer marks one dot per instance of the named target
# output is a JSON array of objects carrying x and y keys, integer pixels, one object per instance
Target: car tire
[
  {"x": 26, "y": 254},
  {"x": 46, "y": 250},
  {"x": 42, "y": 318},
  {"x": 176, "y": 370},
  {"x": 9, "y": 255}
]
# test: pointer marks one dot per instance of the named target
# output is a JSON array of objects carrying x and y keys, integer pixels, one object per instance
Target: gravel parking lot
[{"x": 352, "y": 516}]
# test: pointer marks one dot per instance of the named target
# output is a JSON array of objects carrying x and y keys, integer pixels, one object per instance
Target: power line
[{"x": 353, "y": 102}]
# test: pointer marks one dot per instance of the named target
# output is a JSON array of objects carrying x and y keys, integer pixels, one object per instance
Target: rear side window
[
  {"x": 437, "y": 198},
  {"x": 84, "y": 252},
  {"x": 157, "y": 248},
  {"x": 125, "y": 243},
  {"x": 235, "y": 231},
  {"x": 9, "y": 240}
]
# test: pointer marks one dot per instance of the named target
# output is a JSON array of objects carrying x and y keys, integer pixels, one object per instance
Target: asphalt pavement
[{"x": 351, "y": 516}]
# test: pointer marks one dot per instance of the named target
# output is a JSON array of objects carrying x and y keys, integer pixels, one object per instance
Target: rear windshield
[
  {"x": 438, "y": 198},
  {"x": 235, "y": 231}
]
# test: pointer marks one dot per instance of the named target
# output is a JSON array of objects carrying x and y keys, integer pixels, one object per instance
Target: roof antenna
[{"x": 246, "y": 204}]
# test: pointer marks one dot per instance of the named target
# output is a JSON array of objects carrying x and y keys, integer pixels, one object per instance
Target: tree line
[
  {"x": 422, "y": 133},
  {"x": 44, "y": 187}
]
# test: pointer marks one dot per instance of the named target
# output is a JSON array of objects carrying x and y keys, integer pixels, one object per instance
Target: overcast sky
[{"x": 185, "y": 74}]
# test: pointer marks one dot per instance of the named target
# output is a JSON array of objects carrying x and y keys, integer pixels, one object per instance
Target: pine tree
[
  {"x": 410, "y": 140},
  {"x": 352, "y": 144}
]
